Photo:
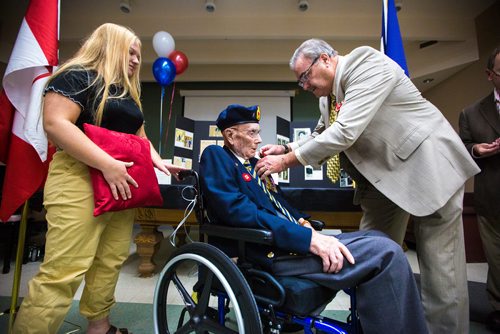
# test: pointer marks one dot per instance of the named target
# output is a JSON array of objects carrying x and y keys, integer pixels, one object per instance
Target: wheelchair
[{"x": 202, "y": 290}]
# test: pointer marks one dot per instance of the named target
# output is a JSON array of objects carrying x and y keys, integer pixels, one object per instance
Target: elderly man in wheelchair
[{"x": 283, "y": 271}]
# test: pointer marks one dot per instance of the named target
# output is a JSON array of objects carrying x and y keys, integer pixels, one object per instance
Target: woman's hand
[
  {"x": 158, "y": 162},
  {"x": 170, "y": 169},
  {"x": 175, "y": 170},
  {"x": 118, "y": 179}
]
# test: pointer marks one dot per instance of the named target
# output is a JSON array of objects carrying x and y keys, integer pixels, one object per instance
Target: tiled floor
[{"x": 143, "y": 288}]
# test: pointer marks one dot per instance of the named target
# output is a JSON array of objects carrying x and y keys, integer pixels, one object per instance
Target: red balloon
[{"x": 180, "y": 61}]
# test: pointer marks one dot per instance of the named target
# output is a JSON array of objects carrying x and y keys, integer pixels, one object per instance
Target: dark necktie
[{"x": 276, "y": 203}]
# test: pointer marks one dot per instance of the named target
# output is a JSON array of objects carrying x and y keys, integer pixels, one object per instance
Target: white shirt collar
[{"x": 240, "y": 159}]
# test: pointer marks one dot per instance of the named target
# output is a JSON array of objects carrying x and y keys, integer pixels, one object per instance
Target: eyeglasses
[
  {"x": 495, "y": 73},
  {"x": 304, "y": 77},
  {"x": 254, "y": 133}
]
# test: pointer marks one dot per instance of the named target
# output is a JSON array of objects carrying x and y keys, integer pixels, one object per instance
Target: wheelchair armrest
[
  {"x": 318, "y": 225},
  {"x": 187, "y": 173},
  {"x": 238, "y": 233}
]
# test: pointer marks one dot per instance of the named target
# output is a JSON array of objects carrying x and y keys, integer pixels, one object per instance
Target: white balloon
[{"x": 163, "y": 43}]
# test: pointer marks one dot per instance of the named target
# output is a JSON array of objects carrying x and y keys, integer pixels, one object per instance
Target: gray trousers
[
  {"x": 441, "y": 255},
  {"x": 489, "y": 230},
  {"x": 387, "y": 296}
]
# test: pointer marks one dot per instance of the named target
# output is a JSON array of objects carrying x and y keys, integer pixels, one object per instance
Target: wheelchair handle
[
  {"x": 187, "y": 173},
  {"x": 318, "y": 225}
]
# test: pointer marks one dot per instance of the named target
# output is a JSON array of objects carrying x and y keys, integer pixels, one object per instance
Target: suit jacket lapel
[
  {"x": 252, "y": 185},
  {"x": 237, "y": 162},
  {"x": 324, "y": 109},
  {"x": 489, "y": 111},
  {"x": 339, "y": 71}
]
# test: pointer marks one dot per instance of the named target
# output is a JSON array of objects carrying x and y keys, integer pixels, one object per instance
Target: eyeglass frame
[
  {"x": 494, "y": 72},
  {"x": 304, "y": 76},
  {"x": 253, "y": 133}
]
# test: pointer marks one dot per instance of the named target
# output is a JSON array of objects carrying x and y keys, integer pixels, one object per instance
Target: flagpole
[{"x": 19, "y": 262}]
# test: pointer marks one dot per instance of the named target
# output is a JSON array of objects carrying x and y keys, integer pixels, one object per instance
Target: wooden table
[{"x": 149, "y": 237}]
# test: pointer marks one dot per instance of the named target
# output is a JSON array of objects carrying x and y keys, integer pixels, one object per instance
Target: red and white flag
[{"x": 23, "y": 143}]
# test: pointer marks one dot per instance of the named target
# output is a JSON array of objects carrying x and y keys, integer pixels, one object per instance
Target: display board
[{"x": 206, "y": 105}]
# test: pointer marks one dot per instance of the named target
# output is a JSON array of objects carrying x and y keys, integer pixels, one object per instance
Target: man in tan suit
[
  {"x": 409, "y": 154},
  {"x": 480, "y": 132}
]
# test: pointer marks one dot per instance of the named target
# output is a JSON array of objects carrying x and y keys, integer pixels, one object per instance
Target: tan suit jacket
[{"x": 396, "y": 139}]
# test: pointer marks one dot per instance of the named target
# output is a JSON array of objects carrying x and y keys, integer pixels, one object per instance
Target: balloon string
[
  {"x": 170, "y": 112},
  {"x": 161, "y": 118}
]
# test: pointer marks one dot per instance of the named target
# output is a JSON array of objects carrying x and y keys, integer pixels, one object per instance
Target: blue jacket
[{"x": 233, "y": 197}]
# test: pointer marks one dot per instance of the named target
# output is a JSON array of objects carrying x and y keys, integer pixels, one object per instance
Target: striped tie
[{"x": 277, "y": 204}]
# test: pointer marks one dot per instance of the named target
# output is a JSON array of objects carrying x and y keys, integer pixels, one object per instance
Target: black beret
[{"x": 237, "y": 114}]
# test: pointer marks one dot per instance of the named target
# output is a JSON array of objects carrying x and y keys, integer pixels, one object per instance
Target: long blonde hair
[{"x": 106, "y": 51}]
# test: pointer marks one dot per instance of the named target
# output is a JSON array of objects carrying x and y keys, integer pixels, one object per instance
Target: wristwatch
[{"x": 286, "y": 148}]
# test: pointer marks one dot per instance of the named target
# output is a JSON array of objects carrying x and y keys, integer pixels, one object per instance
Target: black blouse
[{"x": 120, "y": 114}]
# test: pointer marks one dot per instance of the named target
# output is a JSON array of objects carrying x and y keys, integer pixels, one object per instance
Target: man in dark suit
[
  {"x": 480, "y": 132},
  {"x": 388, "y": 300}
]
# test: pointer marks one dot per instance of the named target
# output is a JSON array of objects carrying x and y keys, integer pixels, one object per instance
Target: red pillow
[{"x": 124, "y": 147}]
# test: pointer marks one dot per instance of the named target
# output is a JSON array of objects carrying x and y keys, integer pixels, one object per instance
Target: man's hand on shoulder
[{"x": 331, "y": 251}]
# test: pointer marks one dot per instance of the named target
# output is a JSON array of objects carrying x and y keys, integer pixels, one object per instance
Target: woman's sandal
[{"x": 113, "y": 329}]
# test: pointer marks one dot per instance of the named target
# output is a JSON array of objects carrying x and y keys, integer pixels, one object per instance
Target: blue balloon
[{"x": 164, "y": 71}]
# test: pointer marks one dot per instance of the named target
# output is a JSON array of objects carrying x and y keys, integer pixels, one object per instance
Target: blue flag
[{"x": 391, "y": 43}]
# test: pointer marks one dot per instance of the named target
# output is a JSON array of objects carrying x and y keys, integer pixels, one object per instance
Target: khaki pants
[
  {"x": 440, "y": 251},
  {"x": 78, "y": 246}
]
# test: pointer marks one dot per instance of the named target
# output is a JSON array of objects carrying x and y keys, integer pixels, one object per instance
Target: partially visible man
[
  {"x": 411, "y": 158},
  {"x": 480, "y": 131},
  {"x": 388, "y": 300}
]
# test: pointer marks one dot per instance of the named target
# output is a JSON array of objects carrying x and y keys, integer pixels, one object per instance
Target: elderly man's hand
[{"x": 331, "y": 251}]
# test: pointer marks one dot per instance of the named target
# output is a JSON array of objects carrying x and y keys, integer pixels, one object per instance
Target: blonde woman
[{"x": 99, "y": 85}]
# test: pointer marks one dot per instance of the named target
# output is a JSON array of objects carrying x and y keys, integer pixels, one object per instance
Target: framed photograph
[
  {"x": 299, "y": 133},
  {"x": 183, "y": 162},
  {"x": 310, "y": 173},
  {"x": 213, "y": 131},
  {"x": 184, "y": 139},
  {"x": 284, "y": 176},
  {"x": 345, "y": 180},
  {"x": 204, "y": 144}
]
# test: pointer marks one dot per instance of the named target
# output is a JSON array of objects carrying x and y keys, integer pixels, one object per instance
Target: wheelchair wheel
[{"x": 210, "y": 293}]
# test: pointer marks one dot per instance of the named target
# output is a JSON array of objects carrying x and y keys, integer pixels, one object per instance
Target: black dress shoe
[{"x": 493, "y": 321}]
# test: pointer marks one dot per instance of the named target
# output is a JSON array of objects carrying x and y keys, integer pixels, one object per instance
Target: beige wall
[{"x": 470, "y": 84}]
